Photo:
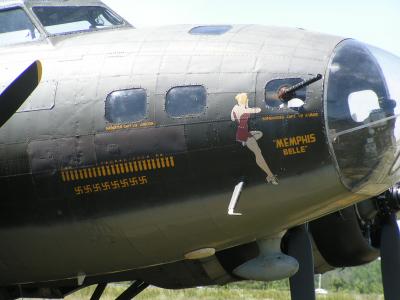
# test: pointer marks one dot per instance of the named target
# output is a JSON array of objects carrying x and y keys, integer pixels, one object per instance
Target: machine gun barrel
[{"x": 285, "y": 93}]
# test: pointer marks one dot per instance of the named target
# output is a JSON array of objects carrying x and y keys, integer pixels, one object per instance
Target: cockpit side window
[
  {"x": 68, "y": 19},
  {"x": 16, "y": 27}
]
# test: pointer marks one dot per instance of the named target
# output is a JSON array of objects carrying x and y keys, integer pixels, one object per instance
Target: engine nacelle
[{"x": 348, "y": 237}]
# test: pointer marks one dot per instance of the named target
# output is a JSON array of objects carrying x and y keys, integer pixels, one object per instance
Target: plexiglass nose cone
[{"x": 362, "y": 95}]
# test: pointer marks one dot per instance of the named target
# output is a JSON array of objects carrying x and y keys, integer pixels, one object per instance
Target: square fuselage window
[
  {"x": 186, "y": 101},
  {"x": 126, "y": 106}
]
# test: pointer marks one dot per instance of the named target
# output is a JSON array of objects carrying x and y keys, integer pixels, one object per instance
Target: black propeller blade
[
  {"x": 390, "y": 257},
  {"x": 19, "y": 90},
  {"x": 299, "y": 247}
]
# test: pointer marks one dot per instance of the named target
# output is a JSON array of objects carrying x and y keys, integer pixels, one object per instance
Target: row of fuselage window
[{"x": 127, "y": 106}]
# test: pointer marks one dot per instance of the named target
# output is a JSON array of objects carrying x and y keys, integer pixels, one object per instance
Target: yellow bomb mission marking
[{"x": 295, "y": 144}]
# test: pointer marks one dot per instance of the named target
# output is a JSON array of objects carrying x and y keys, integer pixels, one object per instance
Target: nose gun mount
[{"x": 286, "y": 93}]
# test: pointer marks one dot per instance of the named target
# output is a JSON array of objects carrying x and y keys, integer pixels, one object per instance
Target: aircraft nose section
[{"x": 362, "y": 109}]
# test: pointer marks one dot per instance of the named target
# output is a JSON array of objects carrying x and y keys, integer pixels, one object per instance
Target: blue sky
[{"x": 371, "y": 21}]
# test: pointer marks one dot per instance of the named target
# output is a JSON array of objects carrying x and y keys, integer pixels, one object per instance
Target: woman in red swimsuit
[{"x": 241, "y": 114}]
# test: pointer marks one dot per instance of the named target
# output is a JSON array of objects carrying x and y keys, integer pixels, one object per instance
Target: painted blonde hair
[{"x": 242, "y": 99}]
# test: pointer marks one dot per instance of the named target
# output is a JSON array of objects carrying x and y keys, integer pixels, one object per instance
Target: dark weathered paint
[{"x": 50, "y": 233}]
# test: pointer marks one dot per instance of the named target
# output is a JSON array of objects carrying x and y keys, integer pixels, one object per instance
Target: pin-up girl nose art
[{"x": 241, "y": 114}]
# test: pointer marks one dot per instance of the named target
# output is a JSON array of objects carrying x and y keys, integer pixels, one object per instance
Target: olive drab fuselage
[{"x": 83, "y": 194}]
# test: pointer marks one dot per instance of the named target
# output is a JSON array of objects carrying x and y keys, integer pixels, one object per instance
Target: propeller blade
[
  {"x": 390, "y": 257},
  {"x": 299, "y": 246},
  {"x": 19, "y": 90}
]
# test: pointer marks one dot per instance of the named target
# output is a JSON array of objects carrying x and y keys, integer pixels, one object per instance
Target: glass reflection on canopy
[{"x": 361, "y": 105}]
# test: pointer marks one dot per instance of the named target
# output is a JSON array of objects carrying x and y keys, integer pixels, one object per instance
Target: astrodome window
[{"x": 210, "y": 30}]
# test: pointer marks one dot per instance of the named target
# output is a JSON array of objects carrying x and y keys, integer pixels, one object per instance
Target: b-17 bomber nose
[{"x": 362, "y": 106}]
